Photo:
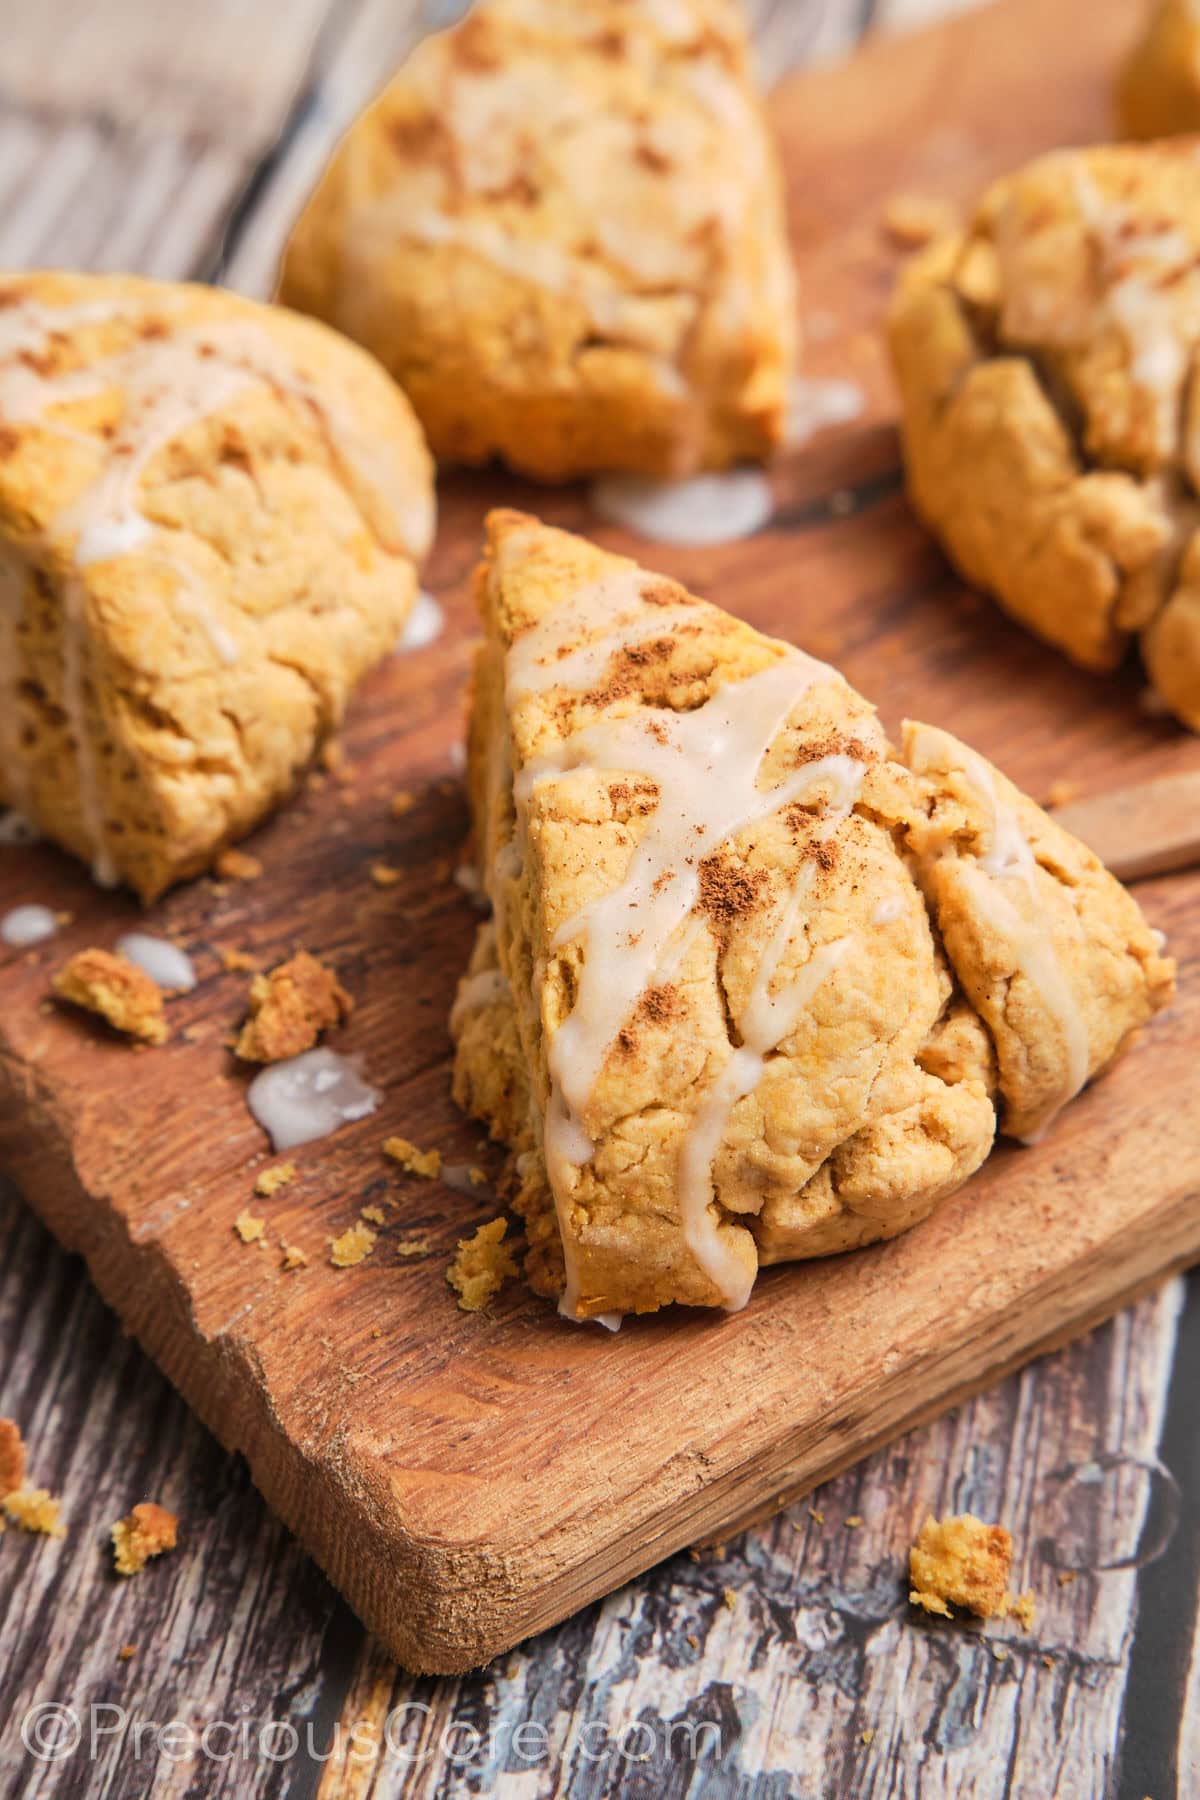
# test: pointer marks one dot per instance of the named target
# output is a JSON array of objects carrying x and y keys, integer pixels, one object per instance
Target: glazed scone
[
  {"x": 1158, "y": 93},
  {"x": 757, "y": 983},
  {"x": 561, "y": 229},
  {"x": 1050, "y": 419},
  {"x": 210, "y": 518}
]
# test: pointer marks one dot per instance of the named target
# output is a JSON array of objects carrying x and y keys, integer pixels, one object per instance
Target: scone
[
  {"x": 1158, "y": 93},
  {"x": 756, "y": 983},
  {"x": 210, "y": 518},
  {"x": 1050, "y": 416},
  {"x": 561, "y": 229}
]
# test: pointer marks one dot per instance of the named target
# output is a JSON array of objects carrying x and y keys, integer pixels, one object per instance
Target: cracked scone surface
[
  {"x": 561, "y": 229},
  {"x": 1158, "y": 93},
  {"x": 1050, "y": 417},
  {"x": 210, "y": 517},
  {"x": 757, "y": 982}
]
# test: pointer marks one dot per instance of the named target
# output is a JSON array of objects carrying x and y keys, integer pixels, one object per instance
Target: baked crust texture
[
  {"x": 211, "y": 514},
  {"x": 1045, "y": 359},
  {"x": 561, "y": 228},
  {"x": 757, "y": 982}
]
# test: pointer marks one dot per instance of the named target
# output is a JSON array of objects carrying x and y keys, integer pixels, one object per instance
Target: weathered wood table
[{"x": 177, "y": 139}]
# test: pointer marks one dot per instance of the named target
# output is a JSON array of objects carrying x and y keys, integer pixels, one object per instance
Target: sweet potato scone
[
  {"x": 1158, "y": 94},
  {"x": 757, "y": 983},
  {"x": 1045, "y": 359},
  {"x": 210, "y": 518},
  {"x": 561, "y": 229}
]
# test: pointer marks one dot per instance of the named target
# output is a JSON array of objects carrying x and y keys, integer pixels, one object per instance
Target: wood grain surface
[{"x": 816, "y": 1650}]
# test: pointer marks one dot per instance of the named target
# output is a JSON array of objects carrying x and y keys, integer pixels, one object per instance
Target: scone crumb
[
  {"x": 117, "y": 990},
  {"x": 960, "y": 1561},
  {"x": 385, "y": 875},
  {"x": 481, "y": 1265},
  {"x": 127, "y": 1652},
  {"x": 816, "y": 1515},
  {"x": 353, "y": 1247},
  {"x": 290, "y": 1008},
  {"x": 271, "y": 1180},
  {"x": 867, "y": 1736},
  {"x": 12, "y": 1457},
  {"x": 148, "y": 1531},
  {"x": 730, "y": 1598},
  {"x": 250, "y": 1229},
  {"x": 35, "y": 1509},
  {"x": 1062, "y": 793},
  {"x": 414, "y": 1246},
  {"x": 476, "y": 1176},
  {"x": 854, "y": 1522},
  {"x": 293, "y": 1257},
  {"x": 426, "y": 1163},
  {"x": 1023, "y": 1608},
  {"x": 374, "y": 1215},
  {"x": 402, "y": 803},
  {"x": 913, "y": 220},
  {"x": 1066, "y": 1577},
  {"x": 238, "y": 865},
  {"x": 236, "y": 962}
]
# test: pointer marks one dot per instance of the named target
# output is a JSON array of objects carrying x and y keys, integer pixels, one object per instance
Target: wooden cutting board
[{"x": 467, "y": 1480}]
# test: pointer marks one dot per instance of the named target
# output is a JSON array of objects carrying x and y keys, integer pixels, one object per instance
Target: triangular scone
[
  {"x": 211, "y": 514},
  {"x": 561, "y": 228},
  {"x": 756, "y": 983}
]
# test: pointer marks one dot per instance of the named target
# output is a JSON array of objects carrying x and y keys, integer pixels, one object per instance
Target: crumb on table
[
  {"x": 481, "y": 1265},
  {"x": 1023, "y": 1608},
  {"x": 294, "y": 1257},
  {"x": 960, "y": 1561},
  {"x": 35, "y": 1509},
  {"x": 249, "y": 1228},
  {"x": 290, "y": 1008},
  {"x": 117, "y": 990},
  {"x": 147, "y": 1531},
  {"x": 373, "y": 1215},
  {"x": 427, "y": 1163},
  {"x": 12, "y": 1457},
  {"x": 402, "y": 803},
  {"x": 353, "y": 1247},
  {"x": 237, "y": 865},
  {"x": 385, "y": 875},
  {"x": 271, "y": 1180}
]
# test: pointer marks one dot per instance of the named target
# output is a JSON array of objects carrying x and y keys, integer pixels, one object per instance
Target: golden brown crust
[
  {"x": 953, "y": 949},
  {"x": 210, "y": 517},
  {"x": 1044, "y": 358},
  {"x": 117, "y": 990},
  {"x": 561, "y": 229},
  {"x": 290, "y": 1008}
]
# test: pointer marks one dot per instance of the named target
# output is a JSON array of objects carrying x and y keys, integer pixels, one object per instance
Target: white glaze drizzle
[
  {"x": 704, "y": 509},
  {"x": 310, "y": 1097},
  {"x": 705, "y": 765},
  {"x": 25, "y": 926},
  {"x": 161, "y": 960},
  {"x": 424, "y": 625},
  {"x": 1009, "y": 856},
  {"x": 167, "y": 384}
]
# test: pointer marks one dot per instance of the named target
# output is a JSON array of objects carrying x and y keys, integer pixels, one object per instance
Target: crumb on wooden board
[
  {"x": 271, "y": 1180},
  {"x": 481, "y": 1265},
  {"x": 290, "y": 1008},
  {"x": 115, "y": 989},
  {"x": 425, "y": 1163},
  {"x": 962, "y": 1562},
  {"x": 353, "y": 1246}
]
